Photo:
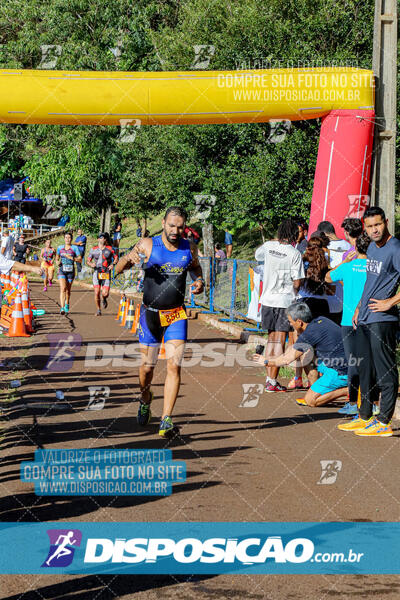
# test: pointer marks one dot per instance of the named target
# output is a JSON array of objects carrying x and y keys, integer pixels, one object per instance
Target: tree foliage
[{"x": 255, "y": 182}]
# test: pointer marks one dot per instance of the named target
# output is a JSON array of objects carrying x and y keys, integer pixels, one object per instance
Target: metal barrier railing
[
  {"x": 226, "y": 290},
  {"x": 33, "y": 229}
]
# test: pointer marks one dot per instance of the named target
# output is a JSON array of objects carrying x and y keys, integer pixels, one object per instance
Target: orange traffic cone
[
  {"x": 14, "y": 278},
  {"x": 127, "y": 303},
  {"x": 27, "y": 313},
  {"x": 136, "y": 319},
  {"x": 17, "y": 327},
  {"x": 7, "y": 282},
  {"x": 121, "y": 309},
  {"x": 162, "y": 354}
]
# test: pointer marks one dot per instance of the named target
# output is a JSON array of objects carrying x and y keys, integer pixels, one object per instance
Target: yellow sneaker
[
  {"x": 376, "y": 429},
  {"x": 354, "y": 424},
  {"x": 301, "y": 402}
]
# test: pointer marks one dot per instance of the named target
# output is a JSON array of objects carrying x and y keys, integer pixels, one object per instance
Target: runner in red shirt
[{"x": 102, "y": 258}]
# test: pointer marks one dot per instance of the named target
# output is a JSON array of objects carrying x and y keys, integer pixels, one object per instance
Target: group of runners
[{"x": 101, "y": 258}]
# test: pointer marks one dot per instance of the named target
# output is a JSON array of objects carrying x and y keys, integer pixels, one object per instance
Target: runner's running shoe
[
  {"x": 105, "y": 302},
  {"x": 62, "y": 311},
  {"x": 277, "y": 387},
  {"x": 167, "y": 428},
  {"x": 50, "y": 283},
  {"x": 349, "y": 409},
  {"x": 355, "y": 424},
  {"x": 144, "y": 412},
  {"x": 66, "y": 308},
  {"x": 98, "y": 314},
  {"x": 45, "y": 289},
  {"x": 376, "y": 429}
]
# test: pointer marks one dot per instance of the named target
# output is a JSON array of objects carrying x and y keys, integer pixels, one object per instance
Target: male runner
[
  {"x": 166, "y": 260},
  {"x": 102, "y": 258}
]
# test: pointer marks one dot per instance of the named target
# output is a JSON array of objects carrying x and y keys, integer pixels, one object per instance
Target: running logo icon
[
  {"x": 251, "y": 394},
  {"x": 62, "y": 547},
  {"x": 330, "y": 470},
  {"x": 62, "y": 351},
  {"x": 98, "y": 396}
]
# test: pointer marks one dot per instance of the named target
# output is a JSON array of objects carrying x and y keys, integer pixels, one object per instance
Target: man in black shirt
[
  {"x": 21, "y": 249},
  {"x": 320, "y": 341}
]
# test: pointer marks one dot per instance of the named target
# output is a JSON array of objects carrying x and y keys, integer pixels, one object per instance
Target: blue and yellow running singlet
[{"x": 164, "y": 291}]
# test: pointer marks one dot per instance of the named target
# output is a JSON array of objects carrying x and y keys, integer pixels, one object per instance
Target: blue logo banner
[{"x": 200, "y": 548}]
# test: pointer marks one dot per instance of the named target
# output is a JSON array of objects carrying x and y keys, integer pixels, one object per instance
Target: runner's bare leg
[
  {"x": 149, "y": 358},
  {"x": 174, "y": 351}
]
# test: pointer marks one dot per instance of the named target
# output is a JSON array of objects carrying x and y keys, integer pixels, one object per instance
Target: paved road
[{"x": 253, "y": 458}]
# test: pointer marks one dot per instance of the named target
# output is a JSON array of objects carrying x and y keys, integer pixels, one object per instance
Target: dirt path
[{"x": 248, "y": 459}]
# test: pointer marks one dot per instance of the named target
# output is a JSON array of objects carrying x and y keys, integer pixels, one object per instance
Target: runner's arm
[
  {"x": 133, "y": 257},
  {"x": 89, "y": 261}
]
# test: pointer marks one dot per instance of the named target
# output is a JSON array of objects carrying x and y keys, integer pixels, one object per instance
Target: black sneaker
[
  {"x": 105, "y": 302},
  {"x": 144, "y": 414}
]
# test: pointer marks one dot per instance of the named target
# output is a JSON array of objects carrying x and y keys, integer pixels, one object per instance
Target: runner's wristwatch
[
  {"x": 200, "y": 279},
  {"x": 266, "y": 361}
]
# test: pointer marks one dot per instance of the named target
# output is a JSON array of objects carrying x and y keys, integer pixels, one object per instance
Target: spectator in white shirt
[
  {"x": 283, "y": 272},
  {"x": 7, "y": 244}
]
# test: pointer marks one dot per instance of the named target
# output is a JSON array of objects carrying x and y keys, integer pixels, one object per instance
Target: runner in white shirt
[{"x": 283, "y": 272}]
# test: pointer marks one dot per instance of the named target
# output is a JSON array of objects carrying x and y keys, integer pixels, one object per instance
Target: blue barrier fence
[{"x": 226, "y": 290}]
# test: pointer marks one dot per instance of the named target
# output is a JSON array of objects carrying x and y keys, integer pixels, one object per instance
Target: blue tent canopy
[{"x": 7, "y": 192}]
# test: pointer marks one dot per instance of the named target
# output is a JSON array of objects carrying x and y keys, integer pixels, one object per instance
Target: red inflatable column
[{"x": 342, "y": 174}]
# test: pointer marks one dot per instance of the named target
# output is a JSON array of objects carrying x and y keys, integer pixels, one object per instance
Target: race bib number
[
  {"x": 103, "y": 275},
  {"x": 167, "y": 317},
  {"x": 67, "y": 268}
]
